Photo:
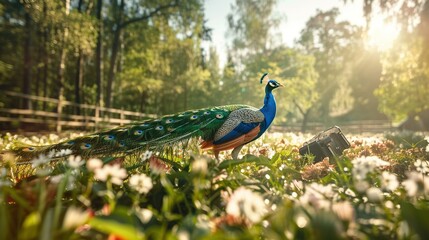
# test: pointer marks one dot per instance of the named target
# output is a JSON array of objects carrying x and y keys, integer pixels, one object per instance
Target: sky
[{"x": 294, "y": 15}]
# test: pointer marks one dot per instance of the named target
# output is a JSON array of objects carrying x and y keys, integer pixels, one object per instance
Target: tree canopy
[{"x": 148, "y": 56}]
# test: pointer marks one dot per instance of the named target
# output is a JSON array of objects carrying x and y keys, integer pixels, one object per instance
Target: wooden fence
[
  {"x": 61, "y": 113},
  {"x": 354, "y": 127}
]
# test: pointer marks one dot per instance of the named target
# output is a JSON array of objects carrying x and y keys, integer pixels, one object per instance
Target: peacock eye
[
  {"x": 85, "y": 146},
  {"x": 28, "y": 149},
  {"x": 219, "y": 116},
  {"x": 159, "y": 128},
  {"x": 272, "y": 84},
  {"x": 193, "y": 117},
  {"x": 169, "y": 120},
  {"x": 109, "y": 137},
  {"x": 138, "y": 132}
]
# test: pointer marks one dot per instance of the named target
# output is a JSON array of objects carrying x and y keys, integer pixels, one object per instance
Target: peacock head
[{"x": 271, "y": 83}]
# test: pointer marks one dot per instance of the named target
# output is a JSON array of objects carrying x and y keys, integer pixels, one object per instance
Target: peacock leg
[
  {"x": 236, "y": 151},
  {"x": 216, "y": 153}
]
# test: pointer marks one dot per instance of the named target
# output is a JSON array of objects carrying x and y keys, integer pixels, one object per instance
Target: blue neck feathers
[{"x": 269, "y": 109}]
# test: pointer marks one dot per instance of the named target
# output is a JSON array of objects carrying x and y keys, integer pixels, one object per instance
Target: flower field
[{"x": 378, "y": 189}]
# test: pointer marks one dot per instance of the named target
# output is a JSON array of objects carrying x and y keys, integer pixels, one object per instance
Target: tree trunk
[
  {"x": 305, "y": 121},
  {"x": 39, "y": 72},
  {"x": 114, "y": 54},
  {"x": 79, "y": 72},
  {"x": 78, "y": 82},
  {"x": 26, "y": 83},
  {"x": 61, "y": 69},
  {"x": 45, "y": 58},
  {"x": 99, "y": 55}
]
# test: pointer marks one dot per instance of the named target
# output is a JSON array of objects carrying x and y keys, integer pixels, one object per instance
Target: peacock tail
[
  {"x": 220, "y": 128},
  {"x": 138, "y": 137}
]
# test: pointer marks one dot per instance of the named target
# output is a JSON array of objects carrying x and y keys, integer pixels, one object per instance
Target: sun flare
[{"x": 382, "y": 34}]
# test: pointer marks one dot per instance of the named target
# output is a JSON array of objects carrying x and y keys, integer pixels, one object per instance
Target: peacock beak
[{"x": 281, "y": 85}]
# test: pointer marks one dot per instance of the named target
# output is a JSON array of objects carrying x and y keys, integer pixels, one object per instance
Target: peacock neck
[{"x": 269, "y": 108}]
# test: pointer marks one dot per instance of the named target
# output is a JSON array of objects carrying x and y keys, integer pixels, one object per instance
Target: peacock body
[{"x": 220, "y": 128}]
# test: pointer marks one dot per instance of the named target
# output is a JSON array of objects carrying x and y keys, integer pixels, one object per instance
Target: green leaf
[
  {"x": 120, "y": 223},
  {"x": 417, "y": 218},
  {"x": 246, "y": 159},
  {"x": 30, "y": 228}
]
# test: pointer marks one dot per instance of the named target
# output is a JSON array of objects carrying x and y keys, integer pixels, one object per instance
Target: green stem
[{"x": 58, "y": 199}]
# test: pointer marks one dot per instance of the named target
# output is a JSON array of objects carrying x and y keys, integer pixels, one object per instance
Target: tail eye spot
[
  {"x": 109, "y": 137},
  {"x": 219, "y": 116},
  {"x": 85, "y": 146},
  {"x": 28, "y": 149},
  {"x": 138, "y": 132}
]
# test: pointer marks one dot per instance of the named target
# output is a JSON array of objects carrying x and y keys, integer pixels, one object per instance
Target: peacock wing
[{"x": 239, "y": 122}]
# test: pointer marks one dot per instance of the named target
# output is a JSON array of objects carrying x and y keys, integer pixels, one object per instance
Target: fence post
[
  {"x": 97, "y": 116},
  {"x": 122, "y": 117},
  {"x": 59, "y": 113}
]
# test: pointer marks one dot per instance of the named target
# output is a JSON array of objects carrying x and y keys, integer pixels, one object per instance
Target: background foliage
[{"x": 148, "y": 56}]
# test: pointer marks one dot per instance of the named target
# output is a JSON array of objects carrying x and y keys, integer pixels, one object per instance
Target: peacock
[{"x": 219, "y": 128}]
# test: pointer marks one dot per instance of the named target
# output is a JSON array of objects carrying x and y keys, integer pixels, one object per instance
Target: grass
[{"x": 378, "y": 189}]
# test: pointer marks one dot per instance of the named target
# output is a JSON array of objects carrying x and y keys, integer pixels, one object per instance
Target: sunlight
[{"x": 382, "y": 33}]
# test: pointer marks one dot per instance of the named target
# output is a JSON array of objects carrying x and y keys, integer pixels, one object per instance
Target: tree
[
  {"x": 250, "y": 26},
  {"x": 121, "y": 21},
  {"x": 335, "y": 45},
  {"x": 403, "y": 91},
  {"x": 405, "y": 82},
  {"x": 296, "y": 71}
]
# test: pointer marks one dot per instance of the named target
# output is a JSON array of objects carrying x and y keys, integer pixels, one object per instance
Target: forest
[{"x": 148, "y": 56}]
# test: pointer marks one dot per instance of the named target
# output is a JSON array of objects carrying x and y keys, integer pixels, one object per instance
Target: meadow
[{"x": 378, "y": 189}]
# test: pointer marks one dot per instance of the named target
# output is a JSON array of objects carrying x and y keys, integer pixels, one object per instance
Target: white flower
[
  {"x": 144, "y": 214},
  {"x": 245, "y": 203},
  {"x": 416, "y": 184},
  {"x": 422, "y": 166},
  {"x": 350, "y": 192},
  {"x": 93, "y": 164},
  {"x": 389, "y": 182},
  {"x": 364, "y": 165},
  {"x": 114, "y": 173},
  {"x": 75, "y": 217},
  {"x": 41, "y": 160},
  {"x": 141, "y": 183},
  {"x": 301, "y": 220},
  {"x": 63, "y": 152},
  {"x": 146, "y": 155},
  {"x": 43, "y": 171},
  {"x": 361, "y": 186},
  {"x": 199, "y": 166},
  {"x": 344, "y": 210},
  {"x": 317, "y": 195},
  {"x": 75, "y": 162},
  {"x": 374, "y": 195}
]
